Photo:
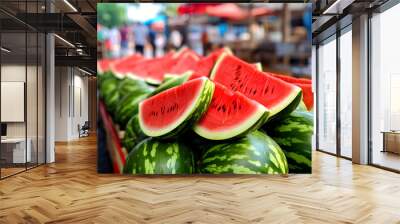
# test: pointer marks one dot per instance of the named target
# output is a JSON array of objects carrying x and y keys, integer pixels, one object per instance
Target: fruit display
[
  {"x": 183, "y": 114},
  {"x": 255, "y": 153},
  {"x": 153, "y": 156},
  {"x": 230, "y": 114},
  {"x": 293, "y": 134},
  {"x": 278, "y": 96}
]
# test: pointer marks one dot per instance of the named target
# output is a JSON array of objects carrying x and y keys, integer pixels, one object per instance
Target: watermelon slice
[
  {"x": 152, "y": 70},
  {"x": 278, "y": 96},
  {"x": 172, "y": 81},
  {"x": 205, "y": 65},
  {"x": 308, "y": 97},
  {"x": 304, "y": 84},
  {"x": 122, "y": 67},
  {"x": 171, "y": 112},
  {"x": 186, "y": 63},
  {"x": 104, "y": 65},
  {"x": 290, "y": 79},
  {"x": 229, "y": 115}
]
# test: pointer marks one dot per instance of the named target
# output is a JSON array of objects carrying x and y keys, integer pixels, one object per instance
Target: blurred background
[{"x": 278, "y": 34}]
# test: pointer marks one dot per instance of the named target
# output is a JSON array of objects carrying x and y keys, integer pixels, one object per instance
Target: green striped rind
[
  {"x": 216, "y": 65},
  {"x": 127, "y": 108},
  {"x": 107, "y": 84},
  {"x": 254, "y": 154},
  {"x": 133, "y": 134},
  {"x": 130, "y": 86},
  {"x": 254, "y": 121},
  {"x": 201, "y": 107},
  {"x": 102, "y": 78},
  {"x": 168, "y": 77},
  {"x": 294, "y": 135},
  {"x": 110, "y": 94},
  {"x": 172, "y": 82},
  {"x": 302, "y": 107},
  {"x": 152, "y": 156},
  {"x": 292, "y": 101},
  {"x": 189, "y": 118}
]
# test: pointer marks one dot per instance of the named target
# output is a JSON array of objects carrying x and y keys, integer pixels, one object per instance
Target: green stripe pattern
[
  {"x": 127, "y": 108},
  {"x": 171, "y": 82},
  {"x": 128, "y": 86},
  {"x": 199, "y": 109},
  {"x": 256, "y": 153},
  {"x": 294, "y": 136},
  {"x": 133, "y": 134},
  {"x": 152, "y": 156}
]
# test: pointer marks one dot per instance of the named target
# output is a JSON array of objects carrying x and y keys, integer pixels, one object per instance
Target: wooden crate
[{"x": 117, "y": 153}]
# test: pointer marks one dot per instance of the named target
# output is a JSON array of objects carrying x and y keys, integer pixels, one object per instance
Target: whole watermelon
[
  {"x": 110, "y": 94},
  {"x": 111, "y": 101},
  {"x": 104, "y": 76},
  {"x": 256, "y": 153},
  {"x": 107, "y": 85},
  {"x": 130, "y": 86},
  {"x": 293, "y": 134},
  {"x": 152, "y": 156},
  {"x": 133, "y": 134},
  {"x": 127, "y": 108}
]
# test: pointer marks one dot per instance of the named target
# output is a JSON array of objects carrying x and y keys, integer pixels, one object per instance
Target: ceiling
[{"x": 72, "y": 20}]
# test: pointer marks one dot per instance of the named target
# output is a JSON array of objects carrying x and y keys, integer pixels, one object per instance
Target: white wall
[{"x": 71, "y": 94}]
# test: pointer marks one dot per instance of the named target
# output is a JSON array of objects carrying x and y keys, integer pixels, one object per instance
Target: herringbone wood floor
[{"x": 70, "y": 191}]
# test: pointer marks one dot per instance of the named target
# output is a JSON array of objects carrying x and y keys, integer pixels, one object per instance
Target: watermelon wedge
[
  {"x": 171, "y": 112},
  {"x": 290, "y": 79},
  {"x": 278, "y": 96},
  {"x": 205, "y": 65},
  {"x": 152, "y": 70},
  {"x": 122, "y": 67},
  {"x": 229, "y": 115},
  {"x": 304, "y": 84},
  {"x": 172, "y": 81},
  {"x": 104, "y": 65},
  {"x": 308, "y": 97},
  {"x": 186, "y": 63}
]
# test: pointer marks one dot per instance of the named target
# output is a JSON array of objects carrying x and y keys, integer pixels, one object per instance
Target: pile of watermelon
[{"x": 183, "y": 114}]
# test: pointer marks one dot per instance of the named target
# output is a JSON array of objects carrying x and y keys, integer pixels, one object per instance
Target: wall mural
[{"x": 209, "y": 88}]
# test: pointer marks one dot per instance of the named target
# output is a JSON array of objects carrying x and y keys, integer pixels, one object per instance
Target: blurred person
[
  {"x": 230, "y": 35},
  {"x": 194, "y": 39},
  {"x": 141, "y": 33},
  {"x": 125, "y": 34},
  {"x": 205, "y": 42},
  {"x": 160, "y": 42},
  {"x": 152, "y": 41},
  {"x": 257, "y": 31},
  {"x": 176, "y": 39},
  {"x": 114, "y": 42},
  {"x": 213, "y": 35}
]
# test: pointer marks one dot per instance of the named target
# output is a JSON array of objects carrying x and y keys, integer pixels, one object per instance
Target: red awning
[
  {"x": 232, "y": 11},
  {"x": 227, "y": 11},
  {"x": 194, "y": 8}
]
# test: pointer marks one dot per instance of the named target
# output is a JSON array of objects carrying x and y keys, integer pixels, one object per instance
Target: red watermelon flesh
[
  {"x": 152, "y": 70},
  {"x": 104, "y": 65},
  {"x": 185, "y": 63},
  {"x": 308, "y": 97},
  {"x": 230, "y": 114},
  {"x": 292, "y": 79},
  {"x": 123, "y": 66},
  {"x": 205, "y": 65},
  {"x": 164, "y": 112},
  {"x": 304, "y": 84},
  {"x": 276, "y": 95}
]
